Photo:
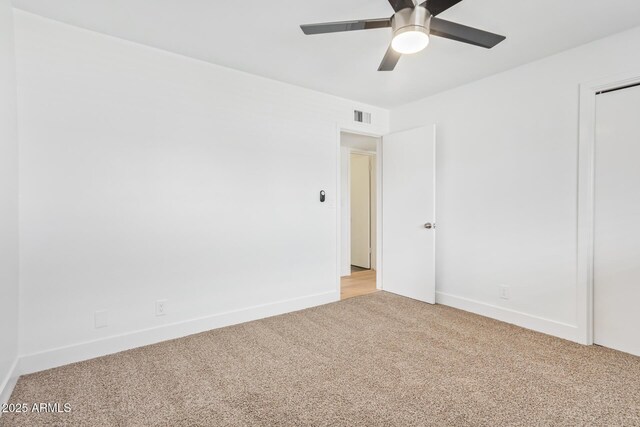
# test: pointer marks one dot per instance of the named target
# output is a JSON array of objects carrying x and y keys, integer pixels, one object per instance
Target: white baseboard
[
  {"x": 35, "y": 362},
  {"x": 88, "y": 350},
  {"x": 8, "y": 383},
  {"x": 539, "y": 324}
]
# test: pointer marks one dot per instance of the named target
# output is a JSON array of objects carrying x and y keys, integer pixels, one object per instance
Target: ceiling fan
[{"x": 412, "y": 24}]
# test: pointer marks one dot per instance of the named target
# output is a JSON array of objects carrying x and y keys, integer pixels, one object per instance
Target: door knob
[{"x": 429, "y": 226}]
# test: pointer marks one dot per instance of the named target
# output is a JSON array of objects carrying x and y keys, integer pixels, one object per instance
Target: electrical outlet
[
  {"x": 101, "y": 319},
  {"x": 161, "y": 307},
  {"x": 505, "y": 292}
]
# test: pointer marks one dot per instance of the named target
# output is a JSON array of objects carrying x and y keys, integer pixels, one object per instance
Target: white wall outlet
[
  {"x": 101, "y": 319},
  {"x": 161, "y": 307},
  {"x": 505, "y": 292}
]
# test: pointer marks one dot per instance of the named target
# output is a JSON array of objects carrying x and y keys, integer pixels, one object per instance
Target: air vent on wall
[{"x": 361, "y": 117}]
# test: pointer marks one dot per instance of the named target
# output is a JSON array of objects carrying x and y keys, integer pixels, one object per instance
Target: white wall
[
  {"x": 8, "y": 201},
  {"x": 507, "y": 183},
  {"x": 146, "y": 175}
]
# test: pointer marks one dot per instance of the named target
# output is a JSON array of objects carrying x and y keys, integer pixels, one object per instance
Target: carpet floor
[{"x": 374, "y": 360}]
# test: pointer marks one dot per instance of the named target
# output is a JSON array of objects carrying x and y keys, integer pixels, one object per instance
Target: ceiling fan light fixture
[
  {"x": 410, "y": 40},
  {"x": 410, "y": 30},
  {"x": 412, "y": 25}
]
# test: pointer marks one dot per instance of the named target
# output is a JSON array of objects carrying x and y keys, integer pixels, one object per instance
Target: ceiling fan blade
[
  {"x": 390, "y": 60},
  {"x": 464, "y": 34},
  {"x": 337, "y": 27},
  {"x": 436, "y": 7},
  {"x": 398, "y": 5}
]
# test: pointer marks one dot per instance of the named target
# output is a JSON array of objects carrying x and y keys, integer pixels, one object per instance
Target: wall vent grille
[{"x": 361, "y": 117}]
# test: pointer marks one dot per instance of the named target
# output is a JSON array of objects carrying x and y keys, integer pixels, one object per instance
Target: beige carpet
[{"x": 375, "y": 360}]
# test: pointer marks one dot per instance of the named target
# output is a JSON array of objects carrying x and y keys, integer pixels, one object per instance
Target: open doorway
[{"x": 359, "y": 208}]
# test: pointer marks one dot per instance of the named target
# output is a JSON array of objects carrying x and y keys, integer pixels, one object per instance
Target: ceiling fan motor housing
[{"x": 416, "y": 19}]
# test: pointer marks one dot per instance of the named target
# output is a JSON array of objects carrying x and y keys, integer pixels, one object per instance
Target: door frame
[
  {"x": 379, "y": 195},
  {"x": 586, "y": 196}
]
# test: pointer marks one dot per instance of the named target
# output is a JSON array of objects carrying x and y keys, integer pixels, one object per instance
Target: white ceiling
[{"x": 262, "y": 37}]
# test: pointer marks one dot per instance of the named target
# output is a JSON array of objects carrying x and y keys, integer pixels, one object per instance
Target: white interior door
[
  {"x": 360, "y": 210},
  {"x": 408, "y": 208},
  {"x": 616, "y": 316}
]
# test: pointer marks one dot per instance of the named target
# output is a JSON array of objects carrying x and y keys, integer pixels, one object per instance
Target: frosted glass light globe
[{"x": 409, "y": 42}]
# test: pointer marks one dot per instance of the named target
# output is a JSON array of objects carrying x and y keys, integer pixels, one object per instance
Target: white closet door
[
  {"x": 616, "y": 314},
  {"x": 360, "y": 211}
]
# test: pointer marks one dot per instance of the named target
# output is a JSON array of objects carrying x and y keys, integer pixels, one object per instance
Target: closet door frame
[{"x": 586, "y": 197}]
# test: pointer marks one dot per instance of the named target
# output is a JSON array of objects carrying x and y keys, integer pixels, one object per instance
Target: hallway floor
[{"x": 359, "y": 283}]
